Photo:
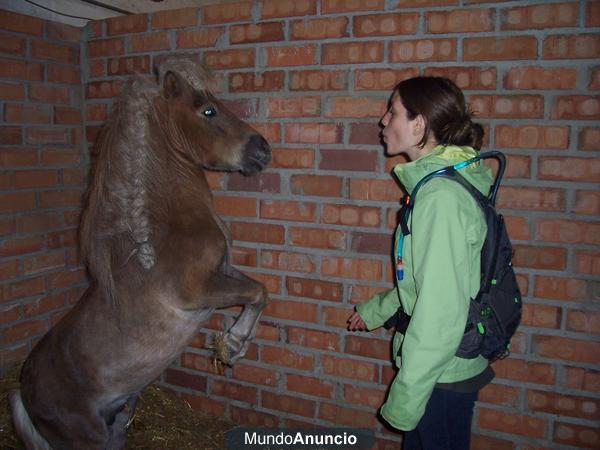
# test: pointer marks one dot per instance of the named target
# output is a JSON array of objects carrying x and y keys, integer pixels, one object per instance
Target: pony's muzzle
[{"x": 257, "y": 154}]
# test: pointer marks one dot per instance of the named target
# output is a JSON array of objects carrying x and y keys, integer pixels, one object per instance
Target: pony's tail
[{"x": 23, "y": 426}]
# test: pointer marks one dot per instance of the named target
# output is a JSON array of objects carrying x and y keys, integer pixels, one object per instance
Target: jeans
[{"x": 446, "y": 424}]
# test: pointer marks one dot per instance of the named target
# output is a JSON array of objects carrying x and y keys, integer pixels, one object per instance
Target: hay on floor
[{"x": 162, "y": 421}]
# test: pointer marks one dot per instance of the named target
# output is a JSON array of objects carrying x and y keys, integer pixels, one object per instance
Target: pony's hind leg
[{"x": 233, "y": 289}]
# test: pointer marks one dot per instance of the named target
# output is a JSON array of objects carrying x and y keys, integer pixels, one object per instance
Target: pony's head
[{"x": 206, "y": 132}]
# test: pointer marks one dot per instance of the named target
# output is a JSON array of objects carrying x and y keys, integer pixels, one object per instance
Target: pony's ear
[{"x": 172, "y": 85}]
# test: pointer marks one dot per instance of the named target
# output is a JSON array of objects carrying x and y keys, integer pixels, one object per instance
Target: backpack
[{"x": 495, "y": 312}]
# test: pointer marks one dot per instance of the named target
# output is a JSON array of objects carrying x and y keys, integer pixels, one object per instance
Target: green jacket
[{"x": 441, "y": 259}]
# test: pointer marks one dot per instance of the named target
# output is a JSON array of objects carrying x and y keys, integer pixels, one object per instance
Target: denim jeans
[{"x": 446, "y": 424}]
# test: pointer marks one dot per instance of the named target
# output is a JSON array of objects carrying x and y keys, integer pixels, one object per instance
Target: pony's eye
[{"x": 209, "y": 111}]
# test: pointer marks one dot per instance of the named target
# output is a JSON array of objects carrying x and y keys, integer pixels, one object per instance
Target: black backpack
[{"x": 495, "y": 313}]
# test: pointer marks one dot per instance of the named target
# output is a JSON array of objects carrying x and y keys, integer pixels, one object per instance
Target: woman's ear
[{"x": 418, "y": 126}]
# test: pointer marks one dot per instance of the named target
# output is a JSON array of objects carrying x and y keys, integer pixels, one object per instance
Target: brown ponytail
[{"x": 442, "y": 105}]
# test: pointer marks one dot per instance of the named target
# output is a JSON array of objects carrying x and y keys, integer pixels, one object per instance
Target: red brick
[
  {"x": 252, "y": 418},
  {"x": 318, "y": 80},
  {"x": 54, "y": 52},
  {"x": 583, "y": 379},
  {"x": 9, "y": 314},
  {"x": 235, "y": 206},
  {"x": 423, "y": 50},
  {"x": 318, "y": 185},
  {"x": 62, "y": 198},
  {"x": 587, "y": 261},
  {"x": 576, "y": 435},
  {"x": 127, "y": 24},
  {"x": 540, "y": 16},
  {"x": 205, "y": 404},
  {"x": 500, "y": 48},
  {"x": 26, "y": 113},
  {"x": 103, "y": 89},
  {"x": 518, "y": 167},
  {"x": 541, "y": 316},
  {"x": 361, "y": 269},
  {"x": 355, "y": 395},
  {"x": 368, "y": 347},
  {"x": 534, "y": 77},
  {"x": 293, "y": 107},
  {"x": 381, "y": 79},
  {"x": 257, "y": 232},
  {"x": 129, "y": 65},
  {"x": 287, "y": 358},
  {"x": 364, "y": 133},
  {"x": 9, "y": 270},
  {"x": 150, "y": 42},
  {"x": 459, "y": 21},
  {"x": 589, "y": 139},
  {"x": 63, "y": 32},
  {"x": 508, "y": 106},
  {"x": 362, "y": 216},
  {"x": 594, "y": 83},
  {"x": 317, "y": 289},
  {"x": 21, "y": 23},
  {"x": 376, "y": 190},
  {"x": 27, "y": 179},
  {"x": 313, "y": 339},
  {"x": 96, "y": 28},
  {"x": 42, "y": 263},
  {"x": 271, "y": 282},
  {"x": 328, "y": 28},
  {"x": 532, "y": 136},
  {"x": 198, "y": 38},
  {"x": 352, "y": 53},
  {"x": 569, "y": 289},
  {"x": 252, "y": 33},
  {"x": 569, "y": 169},
  {"x": 349, "y": 368},
  {"x": 256, "y": 82},
  {"x": 313, "y": 133},
  {"x": 244, "y": 256},
  {"x": 288, "y": 404},
  {"x": 97, "y": 68},
  {"x": 341, "y": 6},
  {"x": 539, "y": 199},
  {"x": 592, "y": 14},
  {"x": 16, "y": 201},
  {"x": 350, "y": 160},
  {"x": 385, "y": 24},
  {"x": 422, "y": 3},
  {"x": 270, "y": 131},
  {"x": 230, "y": 59},
  {"x": 576, "y": 107},
  {"x": 288, "y": 8},
  {"x": 255, "y": 375},
  {"x": 287, "y": 261},
  {"x": 39, "y": 135},
  {"x": 296, "y": 55},
  {"x": 12, "y": 91},
  {"x": 21, "y": 70},
  {"x": 263, "y": 182},
  {"x": 291, "y": 310},
  {"x": 346, "y": 416},
  {"x": 106, "y": 47},
  {"x": 12, "y": 45},
  {"x": 336, "y": 317},
  {"x": 21, "y": 289},
  {"x": 466, "y": 77},
  {"x": 539, "y": 257},
  {"x": 67, "y": 116},
  {"x": 356, "y": 107},
  {"x": 10, "y": 135},
  {"x": 234, "y": 391},
  {"x": 62, "y": 74},
  {"x": 43, "y": 305},
  {"x": 309, "y": 385},
  {"x": 230, "y": 12},
  {"x": 583, "y": 321},
  {"x": 499, "y": 394},
  {"x": 288, "y": 210},
  {"x": 572, "y": 46},
  {"x": 49, "y": 94},
  {"x": 567, "y": 349},
  {"x": 290, "y": 158},
  {"x": 568, "y": 231},
  {"x": 186, "y": 380},
  {"x": 23, "y": 331},
  {"x": 512, "y": 423},
  {"x": 96, "y": 113},
  {"x": 317, "y": 238},
  {"x": 177, "y": 18}
]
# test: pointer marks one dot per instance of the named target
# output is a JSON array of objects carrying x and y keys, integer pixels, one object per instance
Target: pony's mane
[{"x": 118, "y": 224}]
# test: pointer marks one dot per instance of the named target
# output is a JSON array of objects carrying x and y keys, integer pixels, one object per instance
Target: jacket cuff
[{"x": 397, "y": 422}]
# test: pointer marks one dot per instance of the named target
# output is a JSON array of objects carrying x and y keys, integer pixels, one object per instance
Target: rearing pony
[{"x": 159, "y": 258}]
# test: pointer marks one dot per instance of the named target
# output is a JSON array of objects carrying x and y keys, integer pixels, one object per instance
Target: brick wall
[
  {"x": 314, "y": 77},
  {"x": 41, "y": 178}
]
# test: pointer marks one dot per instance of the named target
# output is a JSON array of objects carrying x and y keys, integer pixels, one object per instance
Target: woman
[{"x": 433, "y": 395}]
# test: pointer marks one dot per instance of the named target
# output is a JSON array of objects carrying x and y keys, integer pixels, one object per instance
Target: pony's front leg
[{"x": 231, "y": 289}]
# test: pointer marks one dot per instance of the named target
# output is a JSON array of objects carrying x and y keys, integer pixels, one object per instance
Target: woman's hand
[{"x": 356, "y": 323}]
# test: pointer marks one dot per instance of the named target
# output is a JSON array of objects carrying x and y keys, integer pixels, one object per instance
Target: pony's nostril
[{"x": 257, "y": 154}]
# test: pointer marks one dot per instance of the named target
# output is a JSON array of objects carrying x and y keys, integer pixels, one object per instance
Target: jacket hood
[{"x": 478, "y": 174}]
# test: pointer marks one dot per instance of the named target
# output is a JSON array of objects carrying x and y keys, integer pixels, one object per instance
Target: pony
[{"x": 158, "y": 256}]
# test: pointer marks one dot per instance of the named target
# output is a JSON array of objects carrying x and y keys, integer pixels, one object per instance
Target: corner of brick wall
[{"x": 313, "y": 76}]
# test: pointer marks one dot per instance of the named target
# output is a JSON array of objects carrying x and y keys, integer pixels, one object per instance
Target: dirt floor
[{"x": 162, "y": 421}]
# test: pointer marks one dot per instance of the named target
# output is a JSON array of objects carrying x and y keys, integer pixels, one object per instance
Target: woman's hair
[{"x": 442, "y": 105}]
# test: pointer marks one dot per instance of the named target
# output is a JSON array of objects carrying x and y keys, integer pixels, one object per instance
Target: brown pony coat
[{"x": 159, "y": 258}]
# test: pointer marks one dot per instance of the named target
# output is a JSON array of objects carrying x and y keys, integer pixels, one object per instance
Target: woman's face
[{"x": 400, "y": 134}]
